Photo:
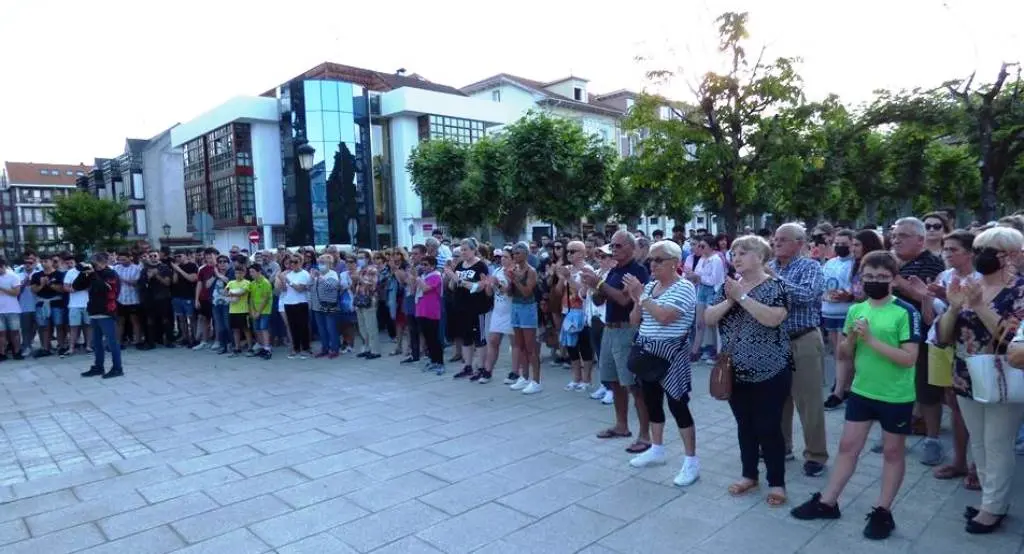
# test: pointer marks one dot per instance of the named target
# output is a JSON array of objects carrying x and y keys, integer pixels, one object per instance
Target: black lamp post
[
  {"x": 305, "y": 152},
  {"x": 167, "y": 230}
]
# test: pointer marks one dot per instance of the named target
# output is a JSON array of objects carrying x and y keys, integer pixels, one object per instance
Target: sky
[{"x": 77, "y": 78}]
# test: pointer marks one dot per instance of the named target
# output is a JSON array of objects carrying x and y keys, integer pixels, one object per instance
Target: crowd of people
[{"x": 899, "y": 311}]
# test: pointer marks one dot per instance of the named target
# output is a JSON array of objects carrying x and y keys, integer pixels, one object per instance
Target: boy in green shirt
[
  {"x": 237, "y": 293},
  {"x": 261, "y": 295},
  {"x": 881, "y": 336}
]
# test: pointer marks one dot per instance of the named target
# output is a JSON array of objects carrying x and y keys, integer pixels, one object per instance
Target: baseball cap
[{"x": 606, "y": 250}]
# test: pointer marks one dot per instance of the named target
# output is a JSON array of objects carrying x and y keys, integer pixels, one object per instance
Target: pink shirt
[{"x": 428, "y": 305}]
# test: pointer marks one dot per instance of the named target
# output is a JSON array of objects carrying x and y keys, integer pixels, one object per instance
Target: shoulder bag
[
  {"x": 722, "y": 377},
  {"x": 993, "y": 379}
]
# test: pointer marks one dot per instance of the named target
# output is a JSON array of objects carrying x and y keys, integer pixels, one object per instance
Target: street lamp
[
  {"x": 305, "y": 153},
  {"x": 167, "y": 230}
]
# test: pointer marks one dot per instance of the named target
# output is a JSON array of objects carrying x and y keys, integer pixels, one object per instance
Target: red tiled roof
[
  {"x": 372, "y": 80},
  {"x": 21, "y": 173},
  {"x": 594, "y": 103}
]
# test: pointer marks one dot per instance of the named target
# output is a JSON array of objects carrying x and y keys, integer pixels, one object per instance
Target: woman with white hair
[
  {"x": 469, "y": 303},
  {"x": 660, "y": 357},
  {"x": 575, "y": 331},
  {"x": 983, "y": 315}
]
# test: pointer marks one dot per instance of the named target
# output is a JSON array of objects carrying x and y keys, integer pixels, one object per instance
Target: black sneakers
[
  {"x": 113, "y": 373},
  {"x": 833, "y": 402},
  {"x": 880, "y": 524},
  {"x": 511, "y": 378},
  {"x": 467, "y": 371},
  {"x": 93, "y": 372},
  {"x": 813, "y": 469},
  {"x": 815, "y": 509},
  {"x": 485, "y": 377}
]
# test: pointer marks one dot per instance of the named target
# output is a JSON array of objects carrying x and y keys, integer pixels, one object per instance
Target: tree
[
  {"x": 555, "y": 168},
  {"x": 31, "y": 238},
  {"x": 731, "y": 125},
  {"x": 504, "y": 204},
  {"x": 90, "y": 222},
  {"x": 867, "y": 161},
  {"x": 953, "y": 179},
  {"x": 908, "y": 148},
  {"x": 438, "y": 169}
]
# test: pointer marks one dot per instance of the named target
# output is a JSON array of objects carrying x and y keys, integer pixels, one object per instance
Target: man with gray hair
[
  {"x": 805, "y": 284},
  {"x": 920, "y": 265},
  {"x": 617, "y": 340}
]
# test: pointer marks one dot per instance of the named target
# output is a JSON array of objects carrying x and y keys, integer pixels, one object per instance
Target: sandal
[
  {"x": 776, "y": 499},
  {"x": 740, "y": 488},
  {"x": 971, "y": 481},
  {"x": 612, "y": 433},
  {"x": 949, "y": 471},
  {"x": 638, "y": 447}
]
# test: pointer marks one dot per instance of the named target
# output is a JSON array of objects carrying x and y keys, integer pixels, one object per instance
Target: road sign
[{"x": 254, "y": 236}]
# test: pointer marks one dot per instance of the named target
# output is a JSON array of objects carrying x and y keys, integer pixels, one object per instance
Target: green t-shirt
[
  {"x": 875, "y": 376},
  {"x": 259, "y": 291},
  {"x": 239, "y": 304}
]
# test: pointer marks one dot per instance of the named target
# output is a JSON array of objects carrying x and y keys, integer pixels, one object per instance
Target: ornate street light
[
  {"x": 305, "y": 153},
  {"x": 167, "y": 230}
]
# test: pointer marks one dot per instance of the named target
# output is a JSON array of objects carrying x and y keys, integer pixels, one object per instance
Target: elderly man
[
  {"x": 919, "y": 264},
  {"x": 805, "y": 284},
  {"x": 618, "y": 338}
]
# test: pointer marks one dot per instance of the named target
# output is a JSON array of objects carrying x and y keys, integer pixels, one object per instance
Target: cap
[
  {"x": 499, "y": 252},
  {"x": 606, "y": 250}
]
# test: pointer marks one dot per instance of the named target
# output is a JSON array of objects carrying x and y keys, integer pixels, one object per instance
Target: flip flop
[
  {"x": 638, "y": 447},
  {"x": 740, "y": 488},
  {"x": 612, "y": 433},
  {"x": 971, "y": 482},
  {"x": 949, "y": 471}
]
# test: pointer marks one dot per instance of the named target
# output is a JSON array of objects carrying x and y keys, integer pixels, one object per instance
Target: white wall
[
  {"x": 224, "y": 239},
  {"x": 414, "y": 101},
  {"x": 516, "y": 100},
  {"x": 164, "y": 181},
  {"x": 565, "y": 88},
  {"x": 266, "y": 165},
  {"x": 408, "y": 206},
  {"x": 244, "y": 108}
]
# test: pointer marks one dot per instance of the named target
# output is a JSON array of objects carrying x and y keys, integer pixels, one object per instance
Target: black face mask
[
  {"x": 987, "y": 261},
  {"x": 876, "y": 291},
  {"x": 842, "y": 251}
]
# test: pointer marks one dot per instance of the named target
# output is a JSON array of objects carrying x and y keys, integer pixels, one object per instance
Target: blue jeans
[
  {"x": 327, "y": 327},
  {"x": 105, "y": 328},
  {"x": 222, "y": 324}
]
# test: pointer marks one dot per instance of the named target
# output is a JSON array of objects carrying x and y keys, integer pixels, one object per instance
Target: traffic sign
[{"x": 254, "y": 236}]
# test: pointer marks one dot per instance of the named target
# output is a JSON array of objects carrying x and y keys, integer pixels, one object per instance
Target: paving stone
[
  {"x": 36, "y": 505},
  {"x": 290, "y": 441},
  {"x": 215, "y": 522},
  {"x": 408, "y": 545},
  {"x": 190, "y": 483},
  {"x": 389, "y": 493},
  {"x": 158, "y": 540},
  {"x": 155, "y": 515},
  {"x": 302, "y": 523},
  {"x": 279, "y": 460},
  {"x": 325, "y": 488},
  {"x": 475, "y": 528},
  {"x": 405, "y": 443},
  {"x": 391, "y": 467},
  {"x": 155, "y": 459},
  {"x": 630, "y": 499},
  {"x": 126, "y": 484},
  {"x": 252, "y": 487},
  {"x": 241, "y": 439},
  {"x": 466, "y": 495},
  {"x": 61, "y": 542},
  {"x": 338, "y": 462},
  {"x": 219, "y": 459},
  {"x": 241, "y": 541},
  {"x": 11, "y": 531},
  {"x": 381, "y": 528},
  {"x": 548, "y": 496},
  {"x": 317, "y": 544},
  {"x": 62, "y": 481},
  {"x": 83, "y": 512}
]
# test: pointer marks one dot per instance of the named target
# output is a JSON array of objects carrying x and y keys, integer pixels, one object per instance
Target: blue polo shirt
[{"x": 616, "y": 313}]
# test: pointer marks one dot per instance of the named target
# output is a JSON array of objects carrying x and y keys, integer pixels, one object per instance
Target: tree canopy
[{"x": 91, "y": 222}]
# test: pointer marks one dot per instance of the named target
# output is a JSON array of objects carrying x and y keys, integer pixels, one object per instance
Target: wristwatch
[{"x": 742, "y": 298}]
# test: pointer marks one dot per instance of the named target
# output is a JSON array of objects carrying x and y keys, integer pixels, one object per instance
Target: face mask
[
  {"x": 987, "y": 262},
  {"x": 322, "y": 268},
  {"x": 842, "y": 251},
  {"x": 876, "y": 291},
  {"x": 360, "y": 263}
]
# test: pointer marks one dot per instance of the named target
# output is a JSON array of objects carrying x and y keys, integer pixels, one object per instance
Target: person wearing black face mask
[{"x": 836, "y": 301}]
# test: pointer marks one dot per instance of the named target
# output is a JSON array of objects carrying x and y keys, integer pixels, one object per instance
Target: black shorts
[
  {"x": 206, "y": 309},
  {"x": 239, "y": 322},
  {"x": 465, "y": 325},
  {"x": 125, "y": 311},
  {"x": 927, "y": 394},
  {"x": 894, "y": 418}
]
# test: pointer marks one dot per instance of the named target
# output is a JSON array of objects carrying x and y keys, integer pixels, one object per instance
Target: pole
[{"x": 370, "y": 207}]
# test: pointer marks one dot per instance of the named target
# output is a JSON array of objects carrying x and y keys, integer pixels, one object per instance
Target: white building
[{"x": 28, "y": 194}]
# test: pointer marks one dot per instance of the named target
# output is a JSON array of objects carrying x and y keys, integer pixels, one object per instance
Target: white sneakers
[
  {"x": 653, "y": 456},
  {"x": 608, "y": 398},
  {"x": 689, "y": 473},
  {"x": 577, "y": 386},
  {"x": 520, "y": 384},
  {"x": 571, "y": 386},
  {"x": 199, "y": 347},
  {"x": 533, "y": 388},
  {"x": 599, "y": 393}
]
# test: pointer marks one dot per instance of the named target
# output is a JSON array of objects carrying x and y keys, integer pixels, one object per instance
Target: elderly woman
[
  {"x": 325, "y": 302},
  {"x": 983, "y": 315},
  {"x": 575, "y": 331},
  {"x": 665, "y": 308},
  {"x": 365, "y": 301},
  {"x": 749, "y": 313}
]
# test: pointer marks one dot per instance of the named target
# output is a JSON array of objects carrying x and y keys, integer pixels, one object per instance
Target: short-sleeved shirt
[
  {"x": 182, "y": 287},
  {"x": 206, "y": 273},
  {"x": 758, "y": 352},
  {"x": 875, "y": 376},
  {"x": 477, "y": 302},
  {"x": 617, "y": 313},
  {"x": 78, "y": 299},
  {"x": 128, "y": 294},
  {"x": 292, "y": 296},
  {"x": 9, "y": 304},
  {"x": 239, "y": 304},
  {"x": 682, "y": 296},
  {"x": 974, "y": 337},
  {"x": 47, "y": 293},
  {"x": 428, "y": 304},
  {"x": 261, "y": 290},
  {"x": 926, "y": 267},
  {"x": 838, "y": 273}
]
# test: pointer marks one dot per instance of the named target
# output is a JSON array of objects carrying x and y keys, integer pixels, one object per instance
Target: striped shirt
[
  {"x": 129, "y": 294},
  {"x": 671, "y": 342},
  {"x": 805, "y": 283}
]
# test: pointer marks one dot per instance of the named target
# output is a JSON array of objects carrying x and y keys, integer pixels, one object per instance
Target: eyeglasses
[
  {"x": 558, "y": 247},
  {"x": 575, "y": 251},
  {"x": 617, "y": 245},
  {"x": 659, "y": 260},
  {"x": 933, "y": 226},
  {"x": 988, "y": 249}
]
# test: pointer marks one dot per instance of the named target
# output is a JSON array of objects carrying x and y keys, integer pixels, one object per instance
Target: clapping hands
[{"x": 633, "y": 286}]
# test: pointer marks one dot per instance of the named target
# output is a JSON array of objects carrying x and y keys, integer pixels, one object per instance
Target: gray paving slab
[{"x": 195, "y": 453}]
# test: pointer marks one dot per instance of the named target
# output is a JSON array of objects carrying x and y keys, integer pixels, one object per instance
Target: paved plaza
[{"x": 195, "y": 452}]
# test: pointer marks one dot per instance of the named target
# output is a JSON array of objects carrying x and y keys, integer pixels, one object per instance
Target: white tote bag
[{"x": 994, "y": 381}]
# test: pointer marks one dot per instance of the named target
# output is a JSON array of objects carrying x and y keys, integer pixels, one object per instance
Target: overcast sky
[{"x": 77, "y": 78}]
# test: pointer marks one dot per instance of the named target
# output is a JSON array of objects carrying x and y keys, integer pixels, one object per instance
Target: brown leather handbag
[{"x": 722, "y": 377}]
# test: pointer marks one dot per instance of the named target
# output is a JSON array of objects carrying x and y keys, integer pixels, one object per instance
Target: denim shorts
[
  {"x": 833, "y": 323},
  {"x": 78, "y": 317},
  {"x": 706, "y": 294},
  {"x": 261, "y": 323},
  {"x": 524, "y": 316},
  {"x": 10, "y": 322},
  {"x": 57, "y": 316},
  {"x": 183, "y": 306}
]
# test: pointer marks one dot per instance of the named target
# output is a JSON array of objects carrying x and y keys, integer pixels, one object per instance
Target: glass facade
[
  {"x": 465, "y": 131},
  {"x": 332, "y": 203},
  {"x": 219, "y": 176}
]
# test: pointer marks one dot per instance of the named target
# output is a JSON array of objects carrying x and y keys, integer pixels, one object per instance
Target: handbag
[
  {"x": 993, "y": 379},
  {"x": 722, "y": 377},
  {"x": 940, "y": 366},
  {"x": 646, "y": 366}
]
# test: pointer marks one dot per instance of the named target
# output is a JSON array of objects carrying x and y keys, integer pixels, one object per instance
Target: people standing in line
[
  {"x": 221, "y": 305},
  {"x": 398, "y": 264},
  {"x": 574, "y": 293},
  {"x": 156, "y": 301},
  {"x": 836, "y": 301},
  {"x": 597, "y": 316},
  {"x": 500, "y": 323},
  {"x": 936, "y": 227},
  {"x": 10, "y": 311},
  {"x": 78, "y": 316},
  {"x": 617, "y": 341},
  {"x": 261, "y": 297},
  {"x": 750, "y": 312},
  {"x": 325, "y": 303},
  {"x": 409, "y": 277},
  {"x": 365, "y": 301},
  {"x": 469, "y": 303},
  {"x": 804, "y": 284},
  {"x": 428, "y": 311},
  {"x": 663, "y": 310},
  {"x": 882, "y": 337},
  {"x": 203, "y": 301},
  {"x": 102, "y": 287},
  {"x": 27, "y": 300},
  {"x": 183, "y": 298},
  {"x": 522, "y": 282},
  {"x": 237, "y": 293},
  {"x": 51, "y": 308},
  {"x": 707, "y": 276},
  {"x": 295, "y": 298},
  {"x": 129, "y": 309}
]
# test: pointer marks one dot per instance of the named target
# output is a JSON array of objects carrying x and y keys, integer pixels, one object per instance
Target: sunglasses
[
  {"x": 575, "y": 251},
  {"x": 659, "y": 260},
  {"x": 933, "y": 226},
  {"x": 616, "y": 245}
]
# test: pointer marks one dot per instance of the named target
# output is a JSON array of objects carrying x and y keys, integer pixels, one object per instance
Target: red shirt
[{"x": 205, "y": 274}]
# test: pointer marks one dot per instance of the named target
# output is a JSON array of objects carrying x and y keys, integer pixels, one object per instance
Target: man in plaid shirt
[
  {"x": 805, "y": 284},
  {"x": 128, "y": 305}
]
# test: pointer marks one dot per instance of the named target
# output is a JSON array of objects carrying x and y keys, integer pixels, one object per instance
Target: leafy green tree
[
  {"x": 727, "y": 133},
  {"x": 31, "y": 238},
  {"x": 908, "y": 147},
  {"x": 90, "y": 222},
  {"x": 438, "y": 169},
  {"x": 503, "y": 204},
  {"x": 866, "y": 171},
  {"x": 953, "y": 179}
]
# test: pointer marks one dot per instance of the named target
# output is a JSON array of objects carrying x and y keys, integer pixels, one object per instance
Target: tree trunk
[
  {"x": 730, "y": 211},
  {"x": 961, "y": 209},
  {"x": 871, "y": 210}
]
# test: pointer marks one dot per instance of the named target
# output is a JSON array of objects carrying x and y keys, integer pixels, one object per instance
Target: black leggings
[
  {"x": 429, "y": 331},
  {"x": 757, "y": 408},
  {"x": 654, "y": 397},
  {"x": 583, "y": 349},
  {"x": 298, "y": 322}
]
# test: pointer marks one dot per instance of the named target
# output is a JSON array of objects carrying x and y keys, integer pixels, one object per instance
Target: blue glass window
[
  {"x": 329, "y": 96},
  {"x": 345, "y": 97},
  {"x": 314, "y": 126},
  {"x": 332, "y": 127},
  {"x": 311, "y": 89}
]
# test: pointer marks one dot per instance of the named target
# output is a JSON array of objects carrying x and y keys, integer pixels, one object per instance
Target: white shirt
[
  {"x": 711, "y": 270},
  {"x": 79, "y": 298},
  {"x": 292, "y": 296},
  {"x": 9, "y": 304}
]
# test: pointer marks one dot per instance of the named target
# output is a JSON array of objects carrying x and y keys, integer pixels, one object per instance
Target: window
[
  {"x": 225, "y": 199},
  {"x": 629, "y": 103},
  {"x": 496, "y": 95},
  {"x": 604, "y": 135},
  {"x": 247, "y": 196},
  {"x": 69, "y": 172},
  {"x": 464, "y": 131},
  {"x": 43, "y": 172},
  {"x": 138, "y": 190},
  {"x": 80, "y": 173},
  {"x": 138, "y": 221},
  {"x": 577, "y": 94}
]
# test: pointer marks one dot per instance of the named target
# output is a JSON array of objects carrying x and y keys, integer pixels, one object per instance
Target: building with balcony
[{"x": 28, "y": 193}]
